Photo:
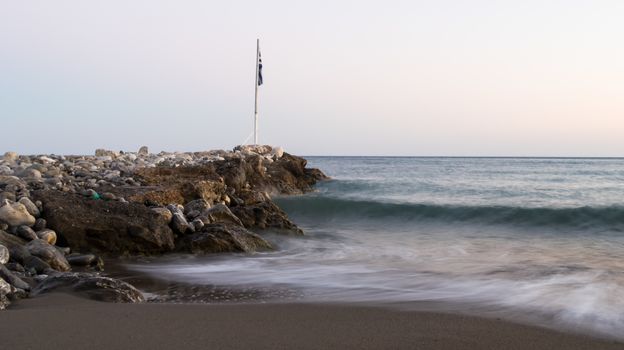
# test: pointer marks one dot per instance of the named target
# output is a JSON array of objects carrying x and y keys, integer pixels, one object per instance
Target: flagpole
[{"x": 256, "y": 100}]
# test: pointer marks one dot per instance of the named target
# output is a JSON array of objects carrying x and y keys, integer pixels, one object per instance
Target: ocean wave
[{"x": 609, "y": 218}]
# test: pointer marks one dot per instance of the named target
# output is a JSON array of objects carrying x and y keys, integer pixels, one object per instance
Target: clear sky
[{"x": 518, "y": 78}]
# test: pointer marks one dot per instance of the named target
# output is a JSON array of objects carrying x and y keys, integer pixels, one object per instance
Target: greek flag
[{"x": 259, "y": 68}]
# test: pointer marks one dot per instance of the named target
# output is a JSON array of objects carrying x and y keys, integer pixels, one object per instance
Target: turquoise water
[{"x": 523, "y": 237}]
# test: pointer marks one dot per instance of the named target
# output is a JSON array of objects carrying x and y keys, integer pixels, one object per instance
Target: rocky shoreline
[{"x": 59, "y": 215}]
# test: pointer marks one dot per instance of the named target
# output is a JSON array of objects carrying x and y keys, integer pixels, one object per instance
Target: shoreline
[{"x": 64, "y": 321}]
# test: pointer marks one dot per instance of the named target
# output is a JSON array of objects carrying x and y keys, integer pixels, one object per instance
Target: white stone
[
  {"x": 15, "y": 214},
  {"x": 10, "y": 157},
  {"x": 277, "y": 152},
  {"x": 46, "y": 159},
  {"x": 4, "y": 255}
]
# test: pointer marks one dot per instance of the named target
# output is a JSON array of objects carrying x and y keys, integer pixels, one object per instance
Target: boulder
[
  {"x": 47, "y": 235},
  {"x": 198, "y": 225},
  {"x": 277, "y": 152},
  {"x": 266, "y": 215},
  {"x": 36, "y": 264},
  {"x": 31, "y": 173},
  {"x": 26, "y": 233},
  {"x": 92, "y": 286},
  {"x": 17, "y": 247},
  {"x": 143, "y": 151},
  {"x": 40, "y": 224},
  {"x": 16, "y": 214},
  {"x": 164, "y": 213},
  {"x": 10, "y": 157},
  {"x": 49, "y": 254},
  {"x": 105, "y": 153},
  {"x": 5, "y": 289},
  {"x": 219, "y": 213},
  {"x": 12, "y": 279},
  {"x": 105, "y": 226},
  {"x": 15, "y": 267},
  {"x": 30, "y": 206},
  {"x": 179, "y": 223},
  {"x": 4, "y": 301},
  {"x": 221, "y": 238},
  {"x": 197, "y": 205},
  {"x": 4, "y": 255},
  {"x": 81, "y": 259}
]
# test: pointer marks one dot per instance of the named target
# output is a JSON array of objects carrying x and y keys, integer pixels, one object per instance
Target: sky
[{"x": 416, "y": 78}]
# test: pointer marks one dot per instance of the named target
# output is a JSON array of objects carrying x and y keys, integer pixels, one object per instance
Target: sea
[{"x": 537, "y": 240}]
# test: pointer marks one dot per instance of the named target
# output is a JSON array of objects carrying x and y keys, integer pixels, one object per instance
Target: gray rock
[
  {"x": 4, "y": 254},
  {"x": 26, "y": 233},
  {"x": 81, "y": 259},
  {"x": 4, "y": 301},
  {"x": 5, "y": 287},
  {"x": 17, "y": 293},
  {"x": 197, "y": 224},
  {"x": 63, "y": 250},
  {"x": 36, "y": 264},
  {"x": 30, "y": 206},
  {"x": 40, "y": 224},
  {"x": 193, "y": 214},
  {"x": 49, "y": 254},
  {"x": 31, "y": 173},
  {"x": 143, "y": 151},
  {"x": 221, "y": 238},
  {"x": 92, "y": 286},
  {"x": 220, "y": 213},
  {"x": 13, "y": 280},
  {"x": 179, "y": 223},
  {"x": 15, "y": 267},
  {"x": 197, "y": 205},
  {"x": 105, "y": 153},
  {"x": 7, "y": 195},
  {"x": 16, "y": 214},
  {"x": 17, "y": 247},
  {"x": 175, "y": 208},
  {"x": 47, "y": 235},
  {"x": 10, "y": 157}
]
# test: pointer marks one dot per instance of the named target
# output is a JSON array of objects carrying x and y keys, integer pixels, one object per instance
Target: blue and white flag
[{"x": 259, "y": 68}]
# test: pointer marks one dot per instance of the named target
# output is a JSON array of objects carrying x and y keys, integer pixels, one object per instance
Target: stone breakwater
[{"x": 60, "y": 214}]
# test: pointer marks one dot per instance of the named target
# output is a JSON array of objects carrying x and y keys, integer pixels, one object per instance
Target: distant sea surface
[{"x": 541, "y": 239}]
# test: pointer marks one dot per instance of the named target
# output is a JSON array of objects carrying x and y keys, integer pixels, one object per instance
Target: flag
[{"x": 259, "y": 68}]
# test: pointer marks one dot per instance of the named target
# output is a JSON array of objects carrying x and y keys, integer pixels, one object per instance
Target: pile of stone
[{"x": 135, "y": 203}]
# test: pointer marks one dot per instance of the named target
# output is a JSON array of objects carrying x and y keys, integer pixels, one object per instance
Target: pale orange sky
[{"x": 523, "y": 78}]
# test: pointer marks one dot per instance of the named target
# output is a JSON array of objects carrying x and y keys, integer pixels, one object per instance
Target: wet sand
[{"x": 61, "y": 321}]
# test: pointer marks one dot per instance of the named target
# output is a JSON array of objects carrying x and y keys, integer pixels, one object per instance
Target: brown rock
[
  {"x": 17, "y": 247},
  {"x": 49, "y": 254},
  {"x": 105, "y": 226},
  {"x": 219, "y": 214},
  {"x": 266, "y": 215},
  {"x": 91, "y": 286},
  {"x": 220, "y": 238}
]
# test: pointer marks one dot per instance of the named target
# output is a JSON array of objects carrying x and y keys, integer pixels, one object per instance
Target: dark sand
[{"x": 60, "y": 321}]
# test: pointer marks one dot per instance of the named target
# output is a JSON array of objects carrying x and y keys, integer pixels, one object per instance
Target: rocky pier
[{"x": 59, "y": 215}]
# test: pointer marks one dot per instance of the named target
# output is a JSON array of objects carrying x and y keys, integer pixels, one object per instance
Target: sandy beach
[{"x": 62, "y": 321}]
